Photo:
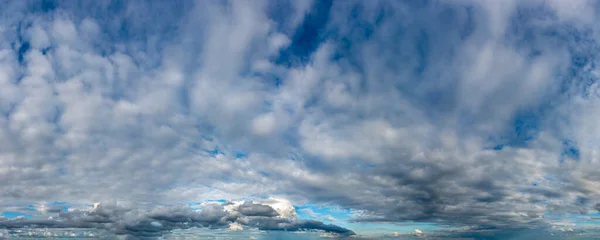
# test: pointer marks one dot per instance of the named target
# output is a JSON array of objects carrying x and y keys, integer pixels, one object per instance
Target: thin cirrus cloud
[{"x": 477, "y": 117}]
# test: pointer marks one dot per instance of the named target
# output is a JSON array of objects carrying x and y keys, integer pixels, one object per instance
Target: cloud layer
[
  {"x": 151, "y": 223},
  {"x": 478, "y": 115}
]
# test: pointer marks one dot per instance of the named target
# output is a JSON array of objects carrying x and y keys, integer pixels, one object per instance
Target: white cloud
[
  {"x": 264, "y": 124},
  {"x": 235, "y": 227},
  {"x": 283, "y": 206}
]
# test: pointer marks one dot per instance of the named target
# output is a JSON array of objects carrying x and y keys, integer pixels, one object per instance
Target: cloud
[
  {"x": 462, "y": 113},
  {"x": 140, "y": 222},
  {"x": 250, "y": 209}
]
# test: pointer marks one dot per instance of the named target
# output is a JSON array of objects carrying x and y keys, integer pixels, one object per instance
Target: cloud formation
[
  {"x": 468, "y": 114},
  {"x": 155, "y": 222}
]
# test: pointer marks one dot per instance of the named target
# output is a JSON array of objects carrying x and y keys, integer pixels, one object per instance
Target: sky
[{"x": 300, "y": 119}]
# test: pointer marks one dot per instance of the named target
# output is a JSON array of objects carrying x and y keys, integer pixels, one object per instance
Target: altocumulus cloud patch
[{"x": 472, "y": 119}]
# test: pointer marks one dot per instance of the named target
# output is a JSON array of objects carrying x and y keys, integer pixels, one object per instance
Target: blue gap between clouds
[
  {"x": 569, "y": 151},
  {"x": 24, "y": 44},
  {"x": 308, "y": 35},
  {"x": 216, "y": 151},
  {"x": 524, "y": 127},
  {"x": 322, "y": 211},
  {"x": 15, "y": 215},
  {"x": 22, "y": 51}
]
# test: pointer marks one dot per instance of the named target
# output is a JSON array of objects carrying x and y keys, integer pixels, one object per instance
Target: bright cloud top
[{"x": 479, "y": 116}]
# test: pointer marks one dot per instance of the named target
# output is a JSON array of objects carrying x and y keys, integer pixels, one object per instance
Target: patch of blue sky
[
  {"x": 241, "y": 154},
  {"x": 31, "y": 208},
  {"x": 214, "y": 152},
  {"x": 569, "y": 151},
  {"x": 378, "y": 229},
  {"x": 198, "y": 205},
  {"x": 593, "y": 220},
  {"x": 12, "y": 215},
  {"x": 22, "y": 51},
  {"x": 494, "y": 143},
  {"x": 523, "y": 128},
  {"x": 526, "y": 126},
  {"x": 498, "y": 147},
  {"x": 308, "y": 35},
  {"x": 248, "y": 233},
  {"x": 216, "y": 201},
  {"x": 574, "y": 220},
  {"x": 342, "y": 217},
  {"x": 321, "y": 212},
  {"x": 43, "y": 6},
  {"x": 195, "y": 205},
  {"x": 362, "y": 30}
]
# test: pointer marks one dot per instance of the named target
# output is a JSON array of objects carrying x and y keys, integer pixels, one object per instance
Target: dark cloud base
[{"x": 153, "y": 223}]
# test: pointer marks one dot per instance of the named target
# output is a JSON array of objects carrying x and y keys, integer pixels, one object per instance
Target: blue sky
[{"x": 379, "y": 118}]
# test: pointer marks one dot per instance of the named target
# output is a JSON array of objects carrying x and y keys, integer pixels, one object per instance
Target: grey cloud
[
  {"x": 265, "y": 223},
  {"x": 252, "y": 209},
  {"x": 144, "y": 223},
  {"x": 54, "y": 209}
]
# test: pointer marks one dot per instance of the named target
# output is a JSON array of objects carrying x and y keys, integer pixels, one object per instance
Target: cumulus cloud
[
  {"x": 462, "y": 113},
  {"x": 250, "y": 209},
  {"x": 139, "y": 222}
]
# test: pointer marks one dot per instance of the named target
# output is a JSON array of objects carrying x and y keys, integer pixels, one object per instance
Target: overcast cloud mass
[{"x": 146, "y": 119}]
